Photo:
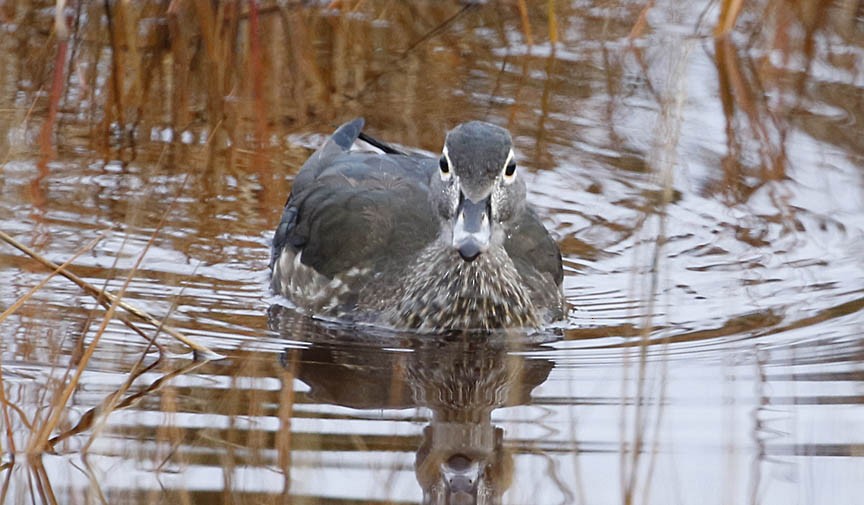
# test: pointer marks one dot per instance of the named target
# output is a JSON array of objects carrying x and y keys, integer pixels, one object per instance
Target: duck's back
[
  {"x": 350, "y": 214},
  {"x": 364, "y": 209}
]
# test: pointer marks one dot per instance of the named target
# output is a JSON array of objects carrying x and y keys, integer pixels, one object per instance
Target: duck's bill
[
  {"x": 462, "y": 478},
  {"x": 472, "y": 229}
]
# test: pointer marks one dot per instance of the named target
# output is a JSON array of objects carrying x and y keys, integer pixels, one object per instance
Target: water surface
[{"x": 706, "y": 194}]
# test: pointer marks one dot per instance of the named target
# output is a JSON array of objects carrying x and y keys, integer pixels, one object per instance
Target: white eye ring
[
  {"x": 508, "y": 173},
  {"x": 446, "y": 166}
]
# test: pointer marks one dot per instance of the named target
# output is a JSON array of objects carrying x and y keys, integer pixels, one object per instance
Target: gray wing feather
[
  {"x": 343, "y": 210},
  {"x": 533, "y": 249},
  {"x": 338, "y": 144}
]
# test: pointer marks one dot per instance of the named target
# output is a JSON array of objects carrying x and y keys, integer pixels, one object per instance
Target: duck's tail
[
  {"x": 345, "y": 136},
  {"x": 372, "y": 141},
  {"x": 342, "y": 139}
]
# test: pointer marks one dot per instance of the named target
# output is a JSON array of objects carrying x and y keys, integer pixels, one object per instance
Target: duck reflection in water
[{"x": 461, "y": 380}]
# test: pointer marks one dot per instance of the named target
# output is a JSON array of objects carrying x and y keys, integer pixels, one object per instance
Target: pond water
[{"x": 706, "y": 193}]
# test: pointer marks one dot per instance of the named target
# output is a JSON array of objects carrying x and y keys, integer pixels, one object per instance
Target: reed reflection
[{"x": 461, "y": 379}]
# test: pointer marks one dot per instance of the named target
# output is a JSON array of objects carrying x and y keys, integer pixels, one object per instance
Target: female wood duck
[{"x": 407, "y": 241}]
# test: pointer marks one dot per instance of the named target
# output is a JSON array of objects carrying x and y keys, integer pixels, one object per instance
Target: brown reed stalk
[
  {"x": 127, "y": 74},
  {"x": 736, "y": 90},
  {"x": 180, "y": 40},
  {"x": 285, "y": 415},
  {"x": 10, "y": 438},
  {"x": 218, "y": 24},
  {"x": 115, "y": 90},
  {"x": 7, "y": 467},
  {"x": 553, "y": 22},
  {"x": 303, "y": 67},
  {"x": 526, "y": 23},
  {"x": 15, "y": 306},
  {"x": 112, "y": 403},
  {"x": 39, "y": 442},
  {"x": 32, "y": 291},
  {"x": 729, "y": 12},
  {"x": 256, "y": 71},
  {"x": 95, "y": 484},
  {"x": 113, "y": 400},
  {"x": 170, "y": 436},
  {"x": 7, "y": 421},
  {"x": 36, "y": 469},
  {"x": 641, "y": 23},
  {"x": 61, "y": 32},
  {"x": 21, "y": 414}
]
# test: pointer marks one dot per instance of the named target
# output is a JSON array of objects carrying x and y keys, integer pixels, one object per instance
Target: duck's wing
[
  {"x": 356, "y": 209},
  {"x": 338, "y": 144},
  {"x": 536, "y": 256}
]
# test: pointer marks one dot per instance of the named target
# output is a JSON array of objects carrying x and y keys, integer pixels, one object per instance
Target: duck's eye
[
  {"x": 509, "y": 172},
  {"x": 510, "y": 169},
  {"x": 445, "y": 166}
]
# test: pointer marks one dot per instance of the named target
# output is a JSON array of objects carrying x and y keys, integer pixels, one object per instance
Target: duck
[{"x": 409, "y": 241}]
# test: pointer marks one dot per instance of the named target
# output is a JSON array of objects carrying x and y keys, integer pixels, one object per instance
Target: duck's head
[{"x": 477, "y": 189}]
